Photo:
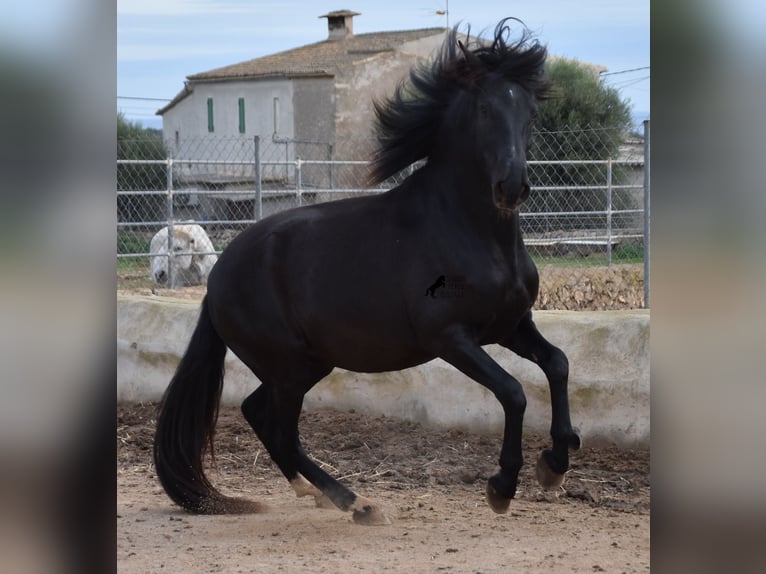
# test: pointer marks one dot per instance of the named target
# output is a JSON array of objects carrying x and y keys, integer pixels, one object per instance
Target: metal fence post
[
  {"x": 258, "y": 208},
  {"x": 169, "y": 214},
  {"x": 647, "y": 213},
  {"x": 287, "y": 159},
  {"x": 298, "y": 183},
  {"x": 609, "y": 210}
]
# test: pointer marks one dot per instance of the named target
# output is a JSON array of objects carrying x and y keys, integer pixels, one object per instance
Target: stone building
[{"x": 317, "y": 97}]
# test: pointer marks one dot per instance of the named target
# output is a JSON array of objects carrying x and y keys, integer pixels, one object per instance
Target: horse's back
[{"x": 331, "y": 275}]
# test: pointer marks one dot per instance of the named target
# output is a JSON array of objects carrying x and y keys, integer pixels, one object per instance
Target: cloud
[
  {"x": 164, "y": 8},
  {"x": 192, "y": 7},
  {"x": 148, "y": 53}
]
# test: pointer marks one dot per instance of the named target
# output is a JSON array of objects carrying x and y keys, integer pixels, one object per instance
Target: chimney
[{"x": 340, "y": 24}]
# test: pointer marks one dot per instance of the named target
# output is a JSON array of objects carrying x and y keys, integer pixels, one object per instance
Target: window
[
  {"x": 241, "y": 115},
  {"x": 210, "y": 125}
]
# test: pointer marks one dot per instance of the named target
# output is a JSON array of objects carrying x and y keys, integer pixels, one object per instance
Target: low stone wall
[{"x": 608, "y": 386}]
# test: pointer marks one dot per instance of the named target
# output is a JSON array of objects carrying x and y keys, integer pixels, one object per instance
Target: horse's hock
[{"x": 608, "y": 355}]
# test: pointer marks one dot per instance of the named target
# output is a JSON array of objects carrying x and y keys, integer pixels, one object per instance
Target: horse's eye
[{"x": 177, "y": 248}]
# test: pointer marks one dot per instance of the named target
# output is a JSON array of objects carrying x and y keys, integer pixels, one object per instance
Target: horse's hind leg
[
  {"x": 273, "y": 412},
  {"x": 258, "y": 409},
  {"x": 528, "y": 343}
]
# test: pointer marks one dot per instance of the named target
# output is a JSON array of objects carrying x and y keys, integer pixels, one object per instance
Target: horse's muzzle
[
  {"x": 509, "y": 197},
  {"x": 160, "y": 276}
]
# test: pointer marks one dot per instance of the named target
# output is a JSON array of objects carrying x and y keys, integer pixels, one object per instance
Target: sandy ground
[{"x": 430, "y": 482}]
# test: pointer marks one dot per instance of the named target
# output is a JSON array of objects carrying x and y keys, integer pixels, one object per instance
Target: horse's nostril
[{"x": 160, "y": 276}]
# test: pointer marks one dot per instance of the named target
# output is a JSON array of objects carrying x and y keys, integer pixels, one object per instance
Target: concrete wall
[
  {"x": 314, "y": 106},
  {"x": 369, "y": 79},
  {"x": 609, "y": 374}
]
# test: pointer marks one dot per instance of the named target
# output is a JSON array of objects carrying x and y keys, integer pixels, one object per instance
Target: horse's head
[
  {"x": 504, "y": 113},
  {"x": 191, "y": 261},
  {"x": 472, "y": 107},
  {"x": 183, "y": 246},
  {"x": 505, "y": 83}
]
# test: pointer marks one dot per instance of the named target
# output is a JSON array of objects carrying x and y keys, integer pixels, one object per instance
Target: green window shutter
[
  {"x": 210, "y": 125},
  {"x": 241, "y": 115}
]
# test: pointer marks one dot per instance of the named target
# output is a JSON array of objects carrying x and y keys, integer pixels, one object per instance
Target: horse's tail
[{"x": 186, "y": 425}]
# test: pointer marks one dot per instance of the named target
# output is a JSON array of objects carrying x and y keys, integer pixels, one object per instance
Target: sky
[{"x": 159, "y": 43}]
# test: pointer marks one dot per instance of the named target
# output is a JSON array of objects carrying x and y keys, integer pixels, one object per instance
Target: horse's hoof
[
  {"x": 370, "y": 516},
  {"x": 367, "y": 513},
  {"x": 548, "y": 479},
  {"x": 575, "y": 440},
  {"x": 496, "y": 502}
]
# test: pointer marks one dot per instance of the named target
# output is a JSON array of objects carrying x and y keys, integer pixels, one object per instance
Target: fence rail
[{"x": 583, "y": 216}]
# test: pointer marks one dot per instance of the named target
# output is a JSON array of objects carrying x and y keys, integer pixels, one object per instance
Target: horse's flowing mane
[{"x": 408, "y": 121}]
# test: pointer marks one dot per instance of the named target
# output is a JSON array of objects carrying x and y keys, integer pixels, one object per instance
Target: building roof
[{"x": 321, "y": 59}]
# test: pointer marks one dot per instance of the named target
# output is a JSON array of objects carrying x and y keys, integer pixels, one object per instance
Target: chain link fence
[{"x": 584, "y": 223}]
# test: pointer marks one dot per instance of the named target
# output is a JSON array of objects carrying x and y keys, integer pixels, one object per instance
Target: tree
[
  {"x": 135, "y": 142},
  {"x": 582, "y": 120},
  {"x": 580, "y": 101}
]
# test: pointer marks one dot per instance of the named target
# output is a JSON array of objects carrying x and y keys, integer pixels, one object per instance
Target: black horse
[{"x": 341, "y": 284}]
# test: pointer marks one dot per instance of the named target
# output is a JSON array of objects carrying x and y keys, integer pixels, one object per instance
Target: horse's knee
[
  {"x": 520, "y": 402},
  {"x": 512, "y": 397},
  {"x": 254, "y": 410},
  {"x": 558, "y": 365}
]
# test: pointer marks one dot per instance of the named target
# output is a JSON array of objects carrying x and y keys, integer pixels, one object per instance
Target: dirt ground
[{"x": 430, "y": 483}]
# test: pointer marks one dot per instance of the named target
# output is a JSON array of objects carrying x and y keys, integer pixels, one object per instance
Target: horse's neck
[{"x": 467, "y": 202}]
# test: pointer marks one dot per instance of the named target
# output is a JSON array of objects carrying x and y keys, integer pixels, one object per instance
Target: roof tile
[{"x": 319, "y": 59}]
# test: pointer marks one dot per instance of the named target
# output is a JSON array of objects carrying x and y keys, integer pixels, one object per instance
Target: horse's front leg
[
  {"x": 464, "y": 353},
  {"x": 528, "y": 343}
]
